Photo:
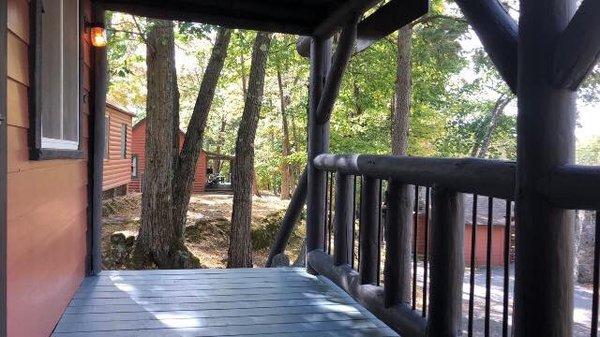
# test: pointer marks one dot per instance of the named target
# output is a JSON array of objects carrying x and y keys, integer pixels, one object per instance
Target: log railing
[{"x": 394, "y": 238}]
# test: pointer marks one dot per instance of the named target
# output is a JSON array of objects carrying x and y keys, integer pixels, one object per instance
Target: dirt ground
[{"x": 207, "y": 230}]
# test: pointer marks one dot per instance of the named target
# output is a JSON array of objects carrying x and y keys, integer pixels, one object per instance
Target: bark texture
[
  {"x": 240, "y": 245},
  {"x": 157, "y": 238},
  {"x": 192, "y": 145},
  {"x": 286, "y": 170},
  {"x": 402, "y": 97}
]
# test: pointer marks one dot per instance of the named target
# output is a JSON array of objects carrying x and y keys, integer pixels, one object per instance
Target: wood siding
[
  {"x": 138, "y": 147},
  {"x": 47, "y": 201},
  {"x": 117, "y": 171}
]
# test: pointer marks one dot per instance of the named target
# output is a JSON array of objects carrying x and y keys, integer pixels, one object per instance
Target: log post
[
  {"x": 318, "y": 142},
  {"x": 545, "y": 125},
  {"x": 446, "y": 233},
  {"x": 342, "y": 220},
  {"x": 369, "y": 230},
  {"x": 398, "y": 237}
]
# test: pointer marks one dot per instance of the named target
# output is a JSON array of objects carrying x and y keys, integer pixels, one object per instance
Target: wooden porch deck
[{"x": 234, "y": 302}]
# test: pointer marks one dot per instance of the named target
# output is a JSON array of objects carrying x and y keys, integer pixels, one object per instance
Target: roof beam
[
  {"x": 252, "y": 15},
  {"x": 339, "y": 18},
  {"x": 498, "y": 33},
  {"x": 578, "y": 47},
  {"x": 387, "y": 19},
  {"x": 341, "y": 57}
]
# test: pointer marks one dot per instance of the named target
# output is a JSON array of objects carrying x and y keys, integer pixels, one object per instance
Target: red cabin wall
[
  {"x": 497, "y": 251},
  {"x": 117, "y": 171},
  {"x": 138, "y": 147},
  {"x": 47, "y": 202}
]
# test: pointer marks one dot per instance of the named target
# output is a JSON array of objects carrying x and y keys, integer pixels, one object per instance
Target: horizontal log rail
[
  {"x": 469, "y": 175},
  {"x": 574, "y": 187},
  {"x": 399, "y": 317}
]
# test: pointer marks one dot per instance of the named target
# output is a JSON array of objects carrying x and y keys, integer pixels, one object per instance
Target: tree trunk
[
  {"x": 286, "y": 171},
  {"x": 400, "y": 105},
  {"x": 401, "y": 115},
  {"x": 158, "y": 239},
  {"x": 240, "y": 245},
  {"x": 498, "y": 110},
  {"x": 192, "y": 145}
]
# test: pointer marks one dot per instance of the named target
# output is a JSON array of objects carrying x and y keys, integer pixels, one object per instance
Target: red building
[
  {"x": 117, "y": 153},
  {"x": 138, "y": 160},
  {"x": 498, "y": 231}
]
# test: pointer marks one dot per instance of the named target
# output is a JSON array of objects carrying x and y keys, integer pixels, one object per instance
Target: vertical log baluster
[
  {"x": 506, "y": 269},
  {"x": 398, "y": 235},
  {"x": 369, "y": 221},
  {"x": 472, "y": 272},
  {"x": 426, "y": 250},
  {"x": 596, "y": 290},
  {"x": 488, "y": 267},
  {"x": 355, "y": 178},
  {"x": 414, "y": 257},
  {"x": 447, "y": 263},
  {"x": 342, "y": 247},
  {"x": 379, "y": 230},
  {"x": 330, "y": 211}
]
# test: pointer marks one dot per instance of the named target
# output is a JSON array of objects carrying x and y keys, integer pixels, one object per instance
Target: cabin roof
[
  {"x": 120, "y": 109},
  {"x": 285, "y": 16}
]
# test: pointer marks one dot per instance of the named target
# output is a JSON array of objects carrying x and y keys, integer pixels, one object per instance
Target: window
[
  {"x": 123, "y": 141},
  {"x": 106, "y": 137},
  {"x": 134, "y": 166},
  {"x": 56, "y": 81}
]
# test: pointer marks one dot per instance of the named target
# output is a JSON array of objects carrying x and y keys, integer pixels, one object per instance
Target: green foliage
[{"x": 454, "y": 90}]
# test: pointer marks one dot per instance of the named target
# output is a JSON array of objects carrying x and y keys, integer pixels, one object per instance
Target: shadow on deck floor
[{"x": 215, "y": 302}]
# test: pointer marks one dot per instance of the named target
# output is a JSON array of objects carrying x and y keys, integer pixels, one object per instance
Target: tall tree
[
  {"x": 192, "y": 145},
  {"x": 286, "y": 170},
  {"x": 158, "y": 238},
  {"x": 169, "y": 173},
  {"x": 402, "y": 92},
  {"x": 240, "y": 245}
]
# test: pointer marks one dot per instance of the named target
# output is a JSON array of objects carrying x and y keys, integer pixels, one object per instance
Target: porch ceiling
[{"x": 300, "y": 17}]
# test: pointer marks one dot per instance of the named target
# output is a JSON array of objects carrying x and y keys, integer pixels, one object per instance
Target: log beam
[
  {"x": 339, "y": 18},
  {"x": 318, "y": 143},
  {"x": 385, "y": 20},
  {"x": 578, "y": 47},
  {"x": 388, "y": 19},
  {"x": 498, "y": 33},
  {"x": 292, "y": 214},
  {"x": 336, "y": 72},
  {"x": 543, "y": 295}
]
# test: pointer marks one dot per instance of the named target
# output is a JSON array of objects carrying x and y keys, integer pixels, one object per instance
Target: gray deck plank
[{"x": 238, "y": 302}]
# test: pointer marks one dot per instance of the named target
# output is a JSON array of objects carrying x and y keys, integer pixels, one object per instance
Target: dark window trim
[{"x": 36, "y": 152}]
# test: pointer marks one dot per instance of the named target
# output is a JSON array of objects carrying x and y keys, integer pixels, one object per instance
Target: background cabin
[
  {"x": 138, "y": 160},
  {"x": 117, "y": 154},
  {"x": 496, "y": 227}
]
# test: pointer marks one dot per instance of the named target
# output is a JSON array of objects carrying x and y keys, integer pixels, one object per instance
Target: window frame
[
  {"x": 106, "y": 137},
  {"x": 123, "y": 140},
  {"x": 37, "y": 151},
  {"x": 134, "y": 168}
]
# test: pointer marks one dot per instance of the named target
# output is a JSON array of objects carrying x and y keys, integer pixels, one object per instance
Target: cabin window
[
  {"x": 123, "y": 141},
  {"x": 134, "y": 166},
  {"x": 56, "y": 80},
  {"x": 106, "y": 137}
]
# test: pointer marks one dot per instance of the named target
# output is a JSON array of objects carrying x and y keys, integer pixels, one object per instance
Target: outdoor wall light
[{"x": 98, "y": 35}]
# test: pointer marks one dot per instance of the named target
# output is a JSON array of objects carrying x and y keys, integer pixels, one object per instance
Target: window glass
[
  {"x": 123, "y": 141},
  {"x": 59, "y": 80}
]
